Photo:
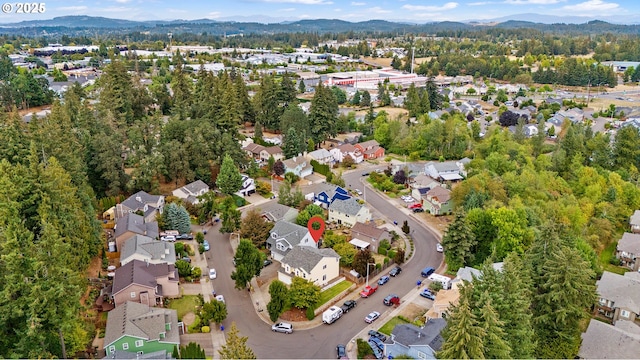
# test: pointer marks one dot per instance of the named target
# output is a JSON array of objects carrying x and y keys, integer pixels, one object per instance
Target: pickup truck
[
  {"x": 348, "y": 305},
  {"x": 368, "y": 291}
]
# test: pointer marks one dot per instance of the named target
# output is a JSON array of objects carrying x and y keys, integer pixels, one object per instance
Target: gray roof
[
  {"x": 135, "y": 223},
  {"x": 629, "y": 243},
  {"x": 604, "y": 341},
  {"x": 284, "y": 230},
  {"x": 275, "y": 212},
  {"x": 468, "y": 273},
  {"x": 141, "y": 273},
  {"x": 297, "y": 161},
  {"x": 152, "y": 249},
  {"x": 306, "y": 258},
  {"x": 622, "y": 290},
  {"x": 121, "y": 354},
  {"x": 443, "y": 166},
  {"x": 196, "y": 186},
  {"x": 350, "y": 206},
  {"x": 429, "y": 335},
  {"x": 368, "y": 230},
  {"x": 141, "y": 321},
  {"x": 319, "y": 154},
  {"x": 635, "y": 218},
  {"x": 138, "y": 200}
]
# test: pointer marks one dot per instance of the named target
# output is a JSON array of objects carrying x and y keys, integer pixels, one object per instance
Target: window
[
  {"x": 167, "y": 326},
  {"x": 324, "y": 266},
  {"x": 112, "y": 349},
  {"x": 125, "y": 346},
  {"x": 624, "y": 313},
  {"x": 133, "y": 294},
  {"x": 139, "y": 343},
  {"x": 324, "y": 277},
  {"x": 162, "y": 335},
  {"x": 422, "y": 355}
]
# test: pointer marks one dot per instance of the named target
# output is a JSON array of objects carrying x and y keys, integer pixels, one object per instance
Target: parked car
[
  {"x": 415, "y": 206},
  {"x": 365, "y": 174},
  {"x": 439, "y": 247},
  {"x": 383, "y": 280},
  {"x": 184, "y": 237},
  {"x": 377, "y": 342},
  {"x": 358, "y": 191},
  {"x": 341, "y": 351},
  {"x": 265, "y": 263},
  {"x": 395, "y": 271},
  {"x": 418, "y": 210},
  {"x": 368, "y": 291},
  {"x": 348, "y": 305},
  {"x": 378, "y": 335},
  {"x": 408, "y": 200},
  {"x": 170, "y": 238},
  {"x": 373, "y": 316},
  {"x": 376, "y": 350},
  {"x": 282, "y": 327},
  {"x": 186, "y": 258},
  {"x": 427, "y": 271},
  {"x": 426, "y": 293},
  {"x": 406, "y": 197},
  {"x": 220, "y": 298},
  {"x": 391, "y": 299},
  {"x": 212, "y": 274},
  {"x": 205, "y": 244}
]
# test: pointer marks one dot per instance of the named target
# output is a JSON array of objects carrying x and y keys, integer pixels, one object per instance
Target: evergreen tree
[
  {"x": 625, "y": 147},
  {"x": 229, "y": 180},
  {"x": 303, "y": 294},
  {"x": 257, "y": 135},
  {"x": 292, "y": 144},
  {"x": 279, "y": 298},
  {"x": 177, "y": 218},
  {"x": 458, "y": 242},
  {"x": 236, "y": 346},
  {"x": 495, "y": 345},
  {"x": 366, "y": 98},
  {"x": 181, "y": 85},
  {"x": 323, "y": 114},
  {"x": 301, "y": 88},
  {"x": 190, "y": 351},
  {"x": 463, "y": 335}
]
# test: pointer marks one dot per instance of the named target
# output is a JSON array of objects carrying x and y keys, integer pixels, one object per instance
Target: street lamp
[{"x": 374, "y": 264}]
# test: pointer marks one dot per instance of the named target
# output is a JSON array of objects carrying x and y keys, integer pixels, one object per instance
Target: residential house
[
  {"x": 144, "y": 248},
  {"x": 370, "y": 149},
  {"x": 444, "y": 299},
  {"x": 443, "y": 171},
  {"x": 416, "y": 342},
  {"x": 634, "y": 222},
  {"x": 421, "y": 184},
  {"x": 270, "y": 151},
  {"x": 275, "y": 212},
  {"x": 141, "y": 330},
  {"x": 133, "y": 224},
  {"x": 190, "y": 192},
  {"x": 619, "y": 297},
  {"x": 328, "y": 193},
  {"x": 319, "y": 266},
  {"x": 628, "y": 251},
  {"x": 438, "y": 201},
  {"x": 462, "y": 165},
  {"x": 298, "y": 165},
  {"x": 149, "y": 205},
  {"x": 145, "y": 283},
  {"x": 370, "y": 234},
  {"x": 348, "y": 212},
  {"x": 322, "y": 156},
  {"x": 285, "y": 236},
  {"x": 605, "y": 341},
  {"x": 248, "y": 186},
  {"x": 468, "y": 274},
  {"x": 254, "y": 151},
  {"x": 344, "y": 150},
  {"x": 575, "y": 115}
]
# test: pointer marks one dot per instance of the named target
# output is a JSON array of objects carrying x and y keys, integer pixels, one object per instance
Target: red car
[
  {"x": 368, "y": 291},
  {"x": 415, "y": 206}
]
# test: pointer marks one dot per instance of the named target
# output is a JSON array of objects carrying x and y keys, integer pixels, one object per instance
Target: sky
[{"x": 419, "y": 11}]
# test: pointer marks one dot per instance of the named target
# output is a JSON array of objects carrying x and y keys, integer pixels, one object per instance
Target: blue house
[
  {"x": 418, "y": 343},
  {"x": 329, "y": 194}
]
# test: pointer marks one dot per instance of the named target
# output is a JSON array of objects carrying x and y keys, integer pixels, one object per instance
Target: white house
[
  {"x": 443, "y": 170},
  {"x": 285, "y": 236},
  {"x": 323, "y": 156},
  {"x": 299, "y": 166},
  {"x": 190, "y": 192},
  {"x": 348, "y": 212},
  {"x": 248, "y": 186},
  {"x": 340, "y": 152},
  {"x": 319, "y": 266}
]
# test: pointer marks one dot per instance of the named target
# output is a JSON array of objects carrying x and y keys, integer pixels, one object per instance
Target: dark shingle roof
[
  {"x": 306, "y": 258},
  {"x": 138, "y": 200},
  {"x": 604, "y": 341},
  {"x": 140, "y": 273},
  {"x": 411, "y": 335},
  {"x": 135, "y": 223},
  {"x": 141, "y": 321}
]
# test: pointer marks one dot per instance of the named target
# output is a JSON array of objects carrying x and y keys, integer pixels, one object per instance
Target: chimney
[{"x": 146, "y": 261}]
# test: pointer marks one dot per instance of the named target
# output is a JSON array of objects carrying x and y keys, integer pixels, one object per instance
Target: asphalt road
[{"x": 319, "y": 342}]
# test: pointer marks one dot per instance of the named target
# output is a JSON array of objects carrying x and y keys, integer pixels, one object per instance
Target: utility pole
[
  {"x": 413, "y": 54},
  {"x": 170, "y": 35}
]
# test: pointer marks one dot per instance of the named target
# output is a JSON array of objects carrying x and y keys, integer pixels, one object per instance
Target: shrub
[
  {"x": 386, "y": 260},
  {"x": 614, "y": 260},
  {"x": 205, "y": 329},
  {"x": 195, "y": 327},
  {"x": 196, "y": 272},
  {"x": 320, "y": 168},
  {"x": 310, "y": 313},
  {"x": 391, "y": 254},
  {"x": 363, "y": 349},
  {"x": 199, "y": 237},
  {"x": 435, "y": 286},
  {"x": 382, "y": 250},
  {"x": 179, "y": 248},
  {"x": 201, "y": 249},
  {"x": 378, "y": 266}
]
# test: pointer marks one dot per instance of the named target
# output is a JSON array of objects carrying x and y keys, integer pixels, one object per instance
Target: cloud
[
  {"x": 357, "y": 3},
  {"x": 214, "y": 14},
  {"x": 447, "y": 6},
  {"x": 592, "y": 7},
  {"x": 532, "y": 2},
  {"x": 72, "y": 8},
  {"x": 304, "y": 16},
  {"x": 479, "y": 3},
  {"x": 122, "y": 1},
  {"x": 302, "y": 2},
  {"x": 379, "y": 10}
]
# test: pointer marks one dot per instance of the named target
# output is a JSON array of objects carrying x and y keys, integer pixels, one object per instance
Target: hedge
[{"x": 320, "y": 168}]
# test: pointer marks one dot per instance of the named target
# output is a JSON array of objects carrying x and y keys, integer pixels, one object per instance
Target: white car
[
  {"x": 358, "y": 192},
  {"x": 170, "y": 238},
  {"x": 372, "y": 317},
  {"x": 439, "y": 247},
  {"x": 409, "y": 200},
  {"x": 212, "y": 274},
  {"x": 282, "y": 327},
  {"x": 220, "y": 298}
]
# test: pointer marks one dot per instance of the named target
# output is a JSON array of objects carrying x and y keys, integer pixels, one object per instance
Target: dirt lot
[{"x": 413, "y": 311}]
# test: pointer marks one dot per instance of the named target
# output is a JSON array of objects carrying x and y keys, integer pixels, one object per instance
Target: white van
[
  {"x": 445, "y": 281},
  {"x": 331, "y": 315}
]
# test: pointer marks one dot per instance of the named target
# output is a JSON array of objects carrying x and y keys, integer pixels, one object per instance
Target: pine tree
[
  {"x": 291, "y": 144},
  {"x": 463, "y": 335},
  {"x": 190, "y": 351},
  {"x": 278, "y": 299},
  {"x": 458, "y": 242},
  {"x": 229, "y": 179},
  {"x": 495, "y": 346},
  {"x": 323, "y": 114},
  {"x": 236, "y": 346}
]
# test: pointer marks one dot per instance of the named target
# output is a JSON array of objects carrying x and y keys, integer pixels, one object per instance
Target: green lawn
[
  {"x": 333, "y": 291},
  {"x": 388, "y": 327},
  {"x": 184, "y": 305},
  {"x": 604, "y": 257}
]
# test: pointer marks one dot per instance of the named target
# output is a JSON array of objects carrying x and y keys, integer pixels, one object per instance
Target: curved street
[{"x": 320, "y": 342}]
